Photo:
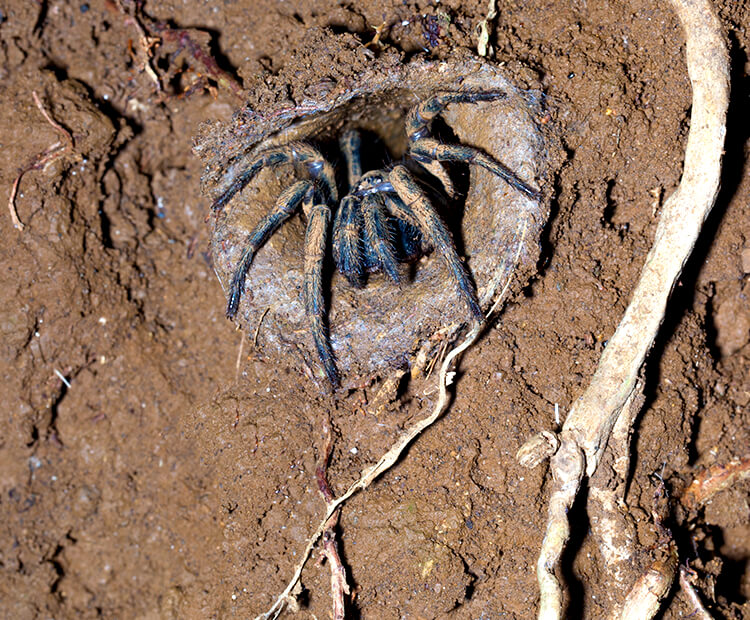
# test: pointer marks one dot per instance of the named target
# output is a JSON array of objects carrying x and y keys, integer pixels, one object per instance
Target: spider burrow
[{"x": 386, "y": 217}]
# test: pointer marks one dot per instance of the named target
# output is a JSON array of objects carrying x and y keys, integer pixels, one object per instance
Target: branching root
[{"x": 587, "y": 429}]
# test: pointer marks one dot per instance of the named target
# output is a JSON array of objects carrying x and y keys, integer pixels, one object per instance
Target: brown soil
[{"x": 154, "y": 462}]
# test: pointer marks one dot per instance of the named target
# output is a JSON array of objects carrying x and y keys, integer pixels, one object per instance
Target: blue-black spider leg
[
  {"x": 347, "y": 223},
  {"x": 415, "y": 208},
  {"x": 380, "y": 236},
  {"x": 420, "y": 117},
  {"x": 295, "y": 153},
  {"x": 351, "y": 145},
  {"x": 428, "y": 152},
  {"x": 413, "y": 242},
  {"x": 316, "y": 240},
  {"x": 286, "y": 204},
  {"x": 347, "y": 240}
]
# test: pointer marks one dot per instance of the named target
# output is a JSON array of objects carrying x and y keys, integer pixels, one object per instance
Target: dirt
[{"x": 155, "y": 462}]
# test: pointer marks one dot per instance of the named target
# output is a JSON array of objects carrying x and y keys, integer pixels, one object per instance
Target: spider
[{"x": 385, "y": 218}]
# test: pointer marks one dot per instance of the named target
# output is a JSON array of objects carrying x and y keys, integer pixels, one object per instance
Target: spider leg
[
  {"x": 285, "y": 206},
  {"x": 351, "y": 145},
  {"x": 420, "y": 116},
  {"x": 379, "y": 235},
  {"x": 436, "y": 169},
  {"x": 416, "y": 209},
  {"x": 316, "y": 239},
  {"x": 347, "y": 233},
  {"x": 293, "y": 153},
  {"x": 429, "y": 150}
]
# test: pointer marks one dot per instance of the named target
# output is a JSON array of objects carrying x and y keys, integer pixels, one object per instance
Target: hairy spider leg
[
  {"x": 411, "y": 240},
  {"x": 413, "y": 243},
  {"x": 408, "y": 242},
  {"x": 420, "y": 117},
  {"x": 351, "y": 144},
  {"x": 299, "y": 153},
  {"x": 387, "y": 240},
  {"x": 416, "y": 207},
  {"x": 347, "y": 223},
  {"x": 380, "y": 236},
  {"x": 286, "y": 204},
  {"x": 347, "y": 245},
  {"x": 316, "y": 239},
  {"x": 428, "y": 150}
]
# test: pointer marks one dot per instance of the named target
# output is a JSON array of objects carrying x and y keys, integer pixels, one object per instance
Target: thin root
[
  {"x": 713, "y": 480},
  {"x": 587, "y": 429},
  {"x": 47, "y": 156},
  {"x": 687, "y": 577},
  {"x": 383, "y": 465},
  {"x": 339, "y": 586}
]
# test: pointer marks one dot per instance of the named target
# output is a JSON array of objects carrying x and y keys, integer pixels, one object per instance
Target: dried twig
[
  {"x": 194, "y": 42},
  {"x": 40, "y": 160},
  {"x": 144, "y": 50},
  {"x": 714, "y": 479},
  {"x": 339, "y": 586},
  {"x": 483, "y": 39},
  {"x": 687, "y": 578},
  {"x": 587, "y": 429},
  {"x": 257, "y": 329},
  {"x": 238, "y": 364}
]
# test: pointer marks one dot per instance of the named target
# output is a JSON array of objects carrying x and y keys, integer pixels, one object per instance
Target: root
[
  {"x": 40, "y": 160},
  {"x": 339, "y": 586},
  {"x": 587, "y": 430},
  {"x": 713, "y": 480},
  {"x": 645, "y": 597},
  {"x": 445, "y": 378}
]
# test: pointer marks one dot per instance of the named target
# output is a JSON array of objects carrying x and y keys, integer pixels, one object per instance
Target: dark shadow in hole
[
  {"x": 546, "y": 245},
  {"x": 729, "y": 582},
  {"x": 579, "y": 529}
]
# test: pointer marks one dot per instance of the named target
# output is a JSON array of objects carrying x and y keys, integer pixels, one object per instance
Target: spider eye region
[
  {"x": 380, "y": 187},
  {"x": 314, "y": 168}
]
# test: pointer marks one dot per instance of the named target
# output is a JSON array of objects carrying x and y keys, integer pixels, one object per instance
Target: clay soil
[{"x": 157, "y": 463}]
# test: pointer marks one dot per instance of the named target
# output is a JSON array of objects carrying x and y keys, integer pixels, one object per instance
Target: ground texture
[{"x": 156, "y": 463}]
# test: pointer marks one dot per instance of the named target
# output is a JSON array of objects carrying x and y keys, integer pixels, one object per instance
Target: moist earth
[{"x": 155, "y": 462}]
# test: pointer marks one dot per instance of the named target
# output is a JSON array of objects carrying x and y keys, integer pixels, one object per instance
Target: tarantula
[{"x": 384, "y": 219}]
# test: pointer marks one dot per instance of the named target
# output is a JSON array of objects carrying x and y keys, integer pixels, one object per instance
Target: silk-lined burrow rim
[{"x": 381, "y": 325}]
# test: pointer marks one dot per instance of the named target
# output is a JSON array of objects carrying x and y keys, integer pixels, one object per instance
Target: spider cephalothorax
[{"x": 385, "y": 218}]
